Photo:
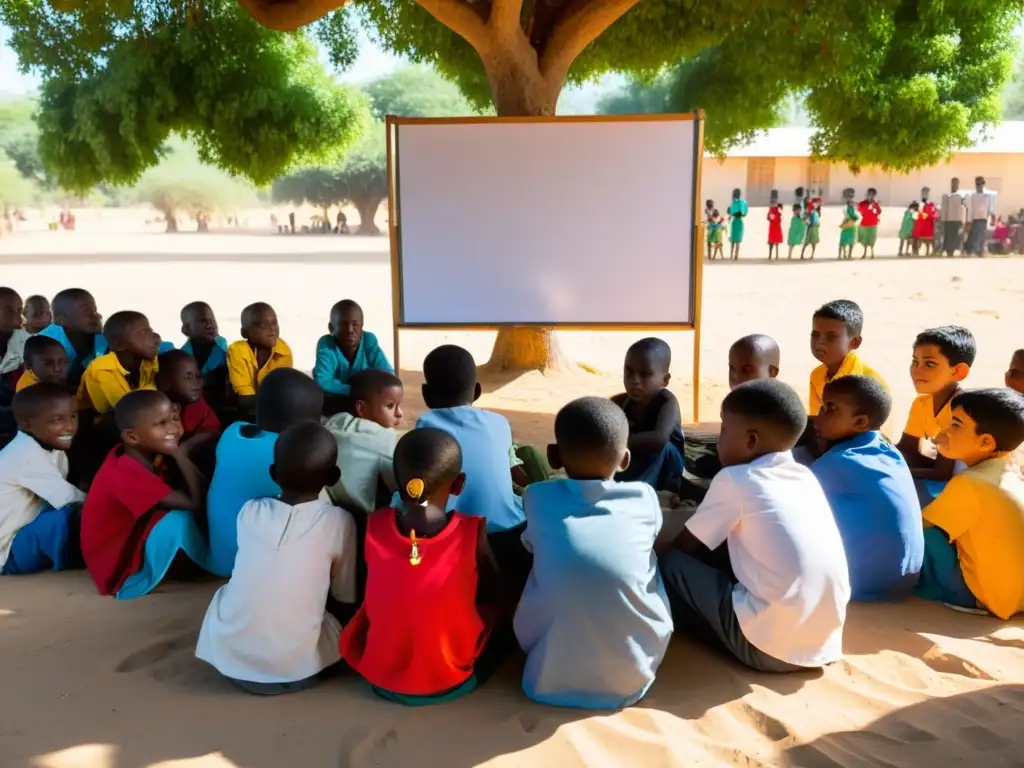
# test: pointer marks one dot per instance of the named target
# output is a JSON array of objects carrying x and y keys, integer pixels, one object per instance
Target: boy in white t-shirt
[
  {"x": 40, "y": 511},
  {"x": 267, "y": 630},
  {"x": 784, "y": 609}
]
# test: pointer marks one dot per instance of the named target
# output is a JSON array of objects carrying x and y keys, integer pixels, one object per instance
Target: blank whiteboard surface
[{"x": 551, "y": 223}]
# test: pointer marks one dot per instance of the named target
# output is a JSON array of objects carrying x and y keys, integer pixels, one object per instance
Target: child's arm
[
  {"x": 46, "y": 482},
  {"x": 490, "y": 586},
  {"x": 655, "y": 439},
  {"x": 325, "y": 372},
  {"x": 193, "y": 498},
  {"x": 922, "y": 467}
]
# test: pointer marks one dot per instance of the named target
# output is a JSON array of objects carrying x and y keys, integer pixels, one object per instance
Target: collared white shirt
[
  {"x": 954, "y": 206},
  {"x": 268, "y": 623},
  {"x": 30, "y": 478},
  {"x": 982, "y": 204},
  {"x": 787, "y": 554},
  {"x": 15, "y": 354}
]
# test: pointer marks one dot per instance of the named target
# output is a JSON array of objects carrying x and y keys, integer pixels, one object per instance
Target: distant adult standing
[
  {"x": 953, "y": 212},
  {"x": 981, "y": 207},
  {"x": 924, "y": 225},
  {"x": 738, "y": 210}
]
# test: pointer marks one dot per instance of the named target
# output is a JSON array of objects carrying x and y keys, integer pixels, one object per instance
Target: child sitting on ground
[
  {"x": 656, "y": 442},
  {"x": 1015, "y": 373},
  {"x": 134, "y": 523},
  {"x": 942, "y": 359},
  {"x": 266, "y": 630},
  {"x": 203, "y": 342},
  {"x": 131, "y": 363},
  {"x": 37, "y": 314},
  {"x": 786, "y": 612},
  {"x": 45, "y": 360},
  {"x": 260, "y": 351},
  {"x": 79, "y": 329},
  {"x": 974, "y": 534},
  {"x": 869, "y": 487},
  {"x": 427, "y": 631},
  {"x": 179, "y": 379},
  {"x": 592, "y": 536},
  {"x": 753, "y": 357},
  {"x": 342, "y": 353},
  {"x": 366, "y": 442},
  {"x": 12, "y": 341},
  {"x": 836, "y": 330},
  {"x": 40, "y": 511},
  {"x": 245, "y": 453}
]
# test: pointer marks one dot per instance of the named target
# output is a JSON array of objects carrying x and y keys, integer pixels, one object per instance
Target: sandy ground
[{"x": 93, "y": 682}]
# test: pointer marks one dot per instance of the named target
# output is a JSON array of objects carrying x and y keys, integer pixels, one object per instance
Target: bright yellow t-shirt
[
  {"x": 982, "y": 511},
  {"x": 244, "y": 372},
  {"x": 27, "y": 379},
  {"x": 852, "y": 366},
  {"x": 924, "y": 422},
  {"x": 105, "y": 381}
]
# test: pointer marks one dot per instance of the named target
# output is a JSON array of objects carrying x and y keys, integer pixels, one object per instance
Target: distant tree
[
  {"x": 1013, "y": 96},
  {"x": 317, "y": 186},
  {"x": 416, "y": 91},
  {"x": 19, "y": 137},
  {"x": 15, "y": 189},
  {"x": 637, "y": 97}
]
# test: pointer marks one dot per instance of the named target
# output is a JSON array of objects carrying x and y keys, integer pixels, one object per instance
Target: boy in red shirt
[
  {"x": 179, "y": 378},
  {"x": 870, "y": 214},
  {"x": 423, "y": 634},
  {"x": 134, "y": 523}
]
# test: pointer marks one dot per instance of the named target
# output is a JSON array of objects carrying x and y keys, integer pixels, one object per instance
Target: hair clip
[
  {"x": 414, "y": 490},
  {"x": 414, "y": 553}
]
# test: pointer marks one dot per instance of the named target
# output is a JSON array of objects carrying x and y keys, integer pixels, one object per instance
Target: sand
[{"x": 93, "y": 682}]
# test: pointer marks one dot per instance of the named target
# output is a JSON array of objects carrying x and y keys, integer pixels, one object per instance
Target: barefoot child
[
  {"x": 591, "y": 535},
  {"x": 737, "y": 212},
  {"x": 37, "y": 314},
  {"x": 870, "y": 214},
  {"x": 260, "y": 351},
  {"x": 907, "y": 229},
  {"x": 797, "y": 229},
  {"x": 848, "y": 227},
  {"x": 774, "y": 230},
  {"x": 266, "y": 630},
  {"x": 813, "y": 231},
  {"x": 716, "y": 231}
]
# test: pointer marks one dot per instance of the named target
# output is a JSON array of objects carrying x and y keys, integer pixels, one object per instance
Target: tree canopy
[{"x": 1013, "y": 107}]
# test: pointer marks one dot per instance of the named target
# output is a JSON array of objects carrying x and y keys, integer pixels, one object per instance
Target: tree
[
  {"x": 416, "y": 91},
  {"x": 19, "y": 137},
  {"x": 316, "y": 186},
  {"x": 1013, "y": 106},
  {"x": 120, "y": 78}
]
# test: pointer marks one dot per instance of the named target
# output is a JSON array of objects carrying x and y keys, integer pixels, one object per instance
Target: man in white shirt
[
  {"x": 784, "y": 609},
  {"x": 267, "y": 629},
  {"x": 953, "y": 213},
  {"x": 981, "y": 207}
]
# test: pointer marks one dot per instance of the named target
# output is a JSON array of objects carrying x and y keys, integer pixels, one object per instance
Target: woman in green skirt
[
  {"x": 797, "y": 229},
  {"x": 738, "y": 212},
  {"x": 848, "y": 234}
]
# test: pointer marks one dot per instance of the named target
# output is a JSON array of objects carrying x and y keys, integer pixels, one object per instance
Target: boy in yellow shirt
[
  {"x": 260, "y": 351},
  {"x": 835, "y": 336},
  {"x": 974, "y": 534},
  {"x": 130, "y": 364}
]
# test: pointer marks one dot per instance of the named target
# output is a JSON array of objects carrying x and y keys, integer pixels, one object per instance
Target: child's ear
[
  {"x": 753, "y": 440},
  {"x": 333, "y": 476},
  {"x": 666, "y": 380},
  {"x": 773, "y": 371},
  {"x": 855, "y": 342},
  {"x": 477, "y": 391},
  {"x": 458, "y": 484},
  {"x": 554, "y": 456},
  {"x": 359, "y": 408},
  {"x": 624, "y": 464},
  {"x": 129, "y": 437},
  {"x": 987, "y": 443},
  {"x": 330, "y": 328},
  {"x": 244, "y": 333},
  {"x": 184, "y": 330},
  {"x": 960, "y": 371},
  {"x": 861, "y": 423}
]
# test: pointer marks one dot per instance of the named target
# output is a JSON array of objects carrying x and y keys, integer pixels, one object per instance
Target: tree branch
[
  {"x": 289, "y": 15},
  {"x": 580, "y": 26},
  {"x": 461, "y": 18},
  {"x": 505, "y": 16}
]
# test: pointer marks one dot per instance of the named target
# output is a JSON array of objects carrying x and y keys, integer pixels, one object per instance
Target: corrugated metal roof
[{"x": 1005, "y": 138}]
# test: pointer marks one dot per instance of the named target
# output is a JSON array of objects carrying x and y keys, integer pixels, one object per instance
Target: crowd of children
[{"x": 421, "y": 560}]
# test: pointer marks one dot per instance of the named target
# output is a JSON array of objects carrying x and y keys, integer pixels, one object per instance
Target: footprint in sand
[
  {"x": 950, "y": 664},
  {"x": 156, "y": 653}
]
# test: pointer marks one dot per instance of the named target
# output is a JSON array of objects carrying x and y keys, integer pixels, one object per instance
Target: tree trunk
[
  {"x": 327, "y": 219},
  {"x": 172, "y": 222},
  {"x": 367, "y": 209}
]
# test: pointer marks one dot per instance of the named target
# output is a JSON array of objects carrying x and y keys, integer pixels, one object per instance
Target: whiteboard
[{"x": 560, "y": 222}]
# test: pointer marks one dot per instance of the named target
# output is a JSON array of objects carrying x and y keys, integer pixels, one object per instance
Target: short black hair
[
  {"x": 772, "y": 402},
  {"x": 872, "y": 191},
  {"x": 251, "y": 312},
  {"x": 868, "y": 396},
  {"x": 449, "y": 372},
  {"x": 191, "y": 308},
  {"x": 343, "y": 306},
  {"x": 39, "y": 345},
  {"x": 31, "y": 401},
  {"x": 848, "y": 312},
  {"x": 591, "y": 429},
  {"x": 134, "y": 404},
  {"x": 36, "y": 298},
  {"x": 62, "y": 302},
  {"x": 955, "y": 343},
  {"x": 367, "y": 383},
  {"x": 430, "y": 455},
  {"x": 654, "y": 349},
  {"x": 758, "y": 343},
  {"x": 7, "y": 291},
  {"x": 305, "y": 455},
  {"x": 286, "y": 397},
  {"x": 119, "y": 323},
  {"x": 997, "y": 411},
  {"x": 169, "y": 361}
]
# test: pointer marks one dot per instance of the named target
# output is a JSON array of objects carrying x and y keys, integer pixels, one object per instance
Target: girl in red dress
[
  {"x": 774, "y": 230},
  {"x": 423, "y": 634},
  {"x": 924, "y": 224}
]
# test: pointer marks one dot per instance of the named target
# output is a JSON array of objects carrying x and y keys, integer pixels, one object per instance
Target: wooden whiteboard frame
[{"x": 392, "y": 124}]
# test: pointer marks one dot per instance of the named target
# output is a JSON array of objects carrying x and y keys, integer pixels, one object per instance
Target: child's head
[
  {"x": 753, "y": 357},
  {"x": 428, "y": 467},
  {"x": 10, "y": 310},
  {"x": 715, "y": 214},
  {"x": 645, "y": 370},
  {"x": 377, "y": 396},
  {"x": 872, "y": 193},
  {"x": 305, "y": 460},
  {"x": 591, "y": 435},
  {"x": 48, "y": 412},
  {"x": 736, "y": 193},
  {"x": 942, "y": 358},
  {"x": 46, "y": 358},
  {"x": 709, "y": 204},
  {"x": 986, "y": 422},
  {"x": 1015, "y": 373},
  {"x": 851, "y": 405},
  {"x": 286, "y": 397},
  {"x": 259, "y": 325},
  {"x": 796, "y": 209},
  {"x": 37, "y": 313},
  {"x": 74, "y": 309},
  {"x": 346, "y": 325},
  {"x": 835, "y": 331},
  {"x": 147, "y": 422},
  {"x": 848, "y": 194},
  {"x": 914, "y": 206},
  {"x": 198, "y": 323},
  {"x": 129, "y": 332},
  {"x": 759, "y": 417},
  {"x": 799, "y": 192},
  {"x": 449, "y": 378},
  {"x": 179, "y": 378}
]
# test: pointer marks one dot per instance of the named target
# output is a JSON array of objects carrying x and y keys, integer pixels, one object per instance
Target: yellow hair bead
[
  {"x": 414, "y": 553},
  {"x": 414, "y": 488}
]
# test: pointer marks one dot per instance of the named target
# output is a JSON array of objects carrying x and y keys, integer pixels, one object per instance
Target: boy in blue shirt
[
  {"x": 592, "y": 536},
  {"x": 869, "y": 487},
  {"x": 245, "y": 453},
  {"x": 346, "y": 350},
  {"x": 204, "y": 342},
  {"x": 79, "y": 329}
]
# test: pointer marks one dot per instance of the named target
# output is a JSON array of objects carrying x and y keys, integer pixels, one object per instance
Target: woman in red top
[
  {"x": 424, "y": 631},
  {"x": 774, "y": 230}
]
